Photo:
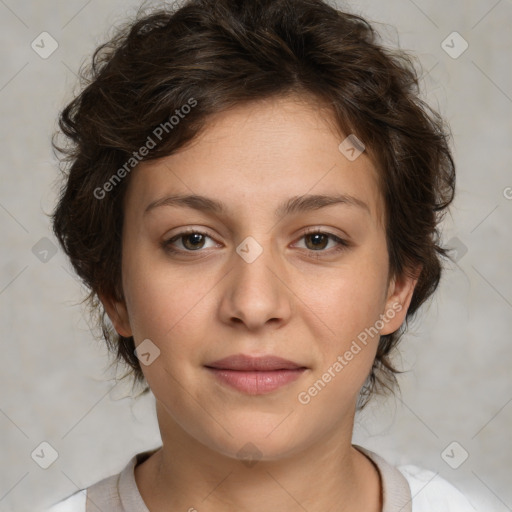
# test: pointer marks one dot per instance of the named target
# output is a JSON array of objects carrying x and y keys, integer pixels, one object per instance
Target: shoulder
[
  {"x": 430, "y": 492},
  {"x": 108, "y": 489},
  {"x": 74, "y": 503},
  {"x": 77, "y": 502}
]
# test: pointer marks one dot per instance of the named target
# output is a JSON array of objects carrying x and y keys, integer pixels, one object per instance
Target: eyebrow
[{"x": 294, "y": 205}]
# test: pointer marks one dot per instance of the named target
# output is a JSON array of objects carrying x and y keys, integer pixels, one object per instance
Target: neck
[{"x": 187, "y": 475}]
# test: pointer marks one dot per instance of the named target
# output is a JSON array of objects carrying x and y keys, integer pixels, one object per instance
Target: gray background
[{"x": 55, "y": 382}]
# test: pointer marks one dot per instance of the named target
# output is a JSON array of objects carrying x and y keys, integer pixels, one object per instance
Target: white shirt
[{"x": 426, "y": 491}]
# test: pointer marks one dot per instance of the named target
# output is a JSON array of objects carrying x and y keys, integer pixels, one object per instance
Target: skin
[{"x": 208, "y": 303}]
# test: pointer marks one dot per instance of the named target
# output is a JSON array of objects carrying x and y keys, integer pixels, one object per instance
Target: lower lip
[{"x": 257, "y": 383}]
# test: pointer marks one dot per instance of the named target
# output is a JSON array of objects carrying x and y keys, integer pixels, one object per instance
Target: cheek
[
  {"x": 157, "y": 298},
  {"x": 160, "y": 306},
  {"x": 352, "y": 299},
  {"x": 167, "y": 304},
  {"x": 349, "y": 308}
]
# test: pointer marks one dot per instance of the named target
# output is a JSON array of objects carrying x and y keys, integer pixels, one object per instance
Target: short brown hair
[{"x": 222, "y": 53}]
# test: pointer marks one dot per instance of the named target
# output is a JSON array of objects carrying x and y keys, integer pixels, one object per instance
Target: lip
[
  {"x": 255, "y": 375},
  {"x": 242, "y": 362}
]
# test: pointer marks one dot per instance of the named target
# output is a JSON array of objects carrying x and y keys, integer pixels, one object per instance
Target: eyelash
[{"x": 342, "y": 244}]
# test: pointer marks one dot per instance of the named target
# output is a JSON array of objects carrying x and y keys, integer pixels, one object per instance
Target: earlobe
[
  {"x": 118, "y": 314},
  {"x": 400, "y": 292}
]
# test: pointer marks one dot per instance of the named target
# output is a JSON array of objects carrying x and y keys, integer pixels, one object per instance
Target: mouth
[{"x": 255, "y": 375}]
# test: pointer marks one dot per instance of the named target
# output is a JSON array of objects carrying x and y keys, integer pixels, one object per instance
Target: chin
[{"x": 254, "y": 439}]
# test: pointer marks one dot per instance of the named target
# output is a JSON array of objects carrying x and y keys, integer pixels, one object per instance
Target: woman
[{"x": 253, "y": 196}]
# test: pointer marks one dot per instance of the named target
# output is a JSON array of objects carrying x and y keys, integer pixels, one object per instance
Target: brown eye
[
  {"x": 319, "y": 241},
  {"x": 193, "y": 241},
  {"x": 316, "y": 244},
  {"x": 190, "y": 241}
]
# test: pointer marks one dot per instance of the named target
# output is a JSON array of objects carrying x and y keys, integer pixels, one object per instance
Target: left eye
[{"x": 319, "y": 240}]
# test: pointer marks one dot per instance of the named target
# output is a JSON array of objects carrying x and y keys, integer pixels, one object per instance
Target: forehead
[{"x": 253, "y": 156}]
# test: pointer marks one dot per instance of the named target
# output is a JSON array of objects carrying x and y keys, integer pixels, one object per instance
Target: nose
[{"x": 255, "y": 291}]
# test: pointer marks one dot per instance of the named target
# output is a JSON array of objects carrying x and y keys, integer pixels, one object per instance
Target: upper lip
[{"x": 242, "y": 362}]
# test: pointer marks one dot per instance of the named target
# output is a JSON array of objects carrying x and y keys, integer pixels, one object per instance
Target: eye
[
  {"x": 317, "y": 241},
  {"x": 191, "y": 241}
]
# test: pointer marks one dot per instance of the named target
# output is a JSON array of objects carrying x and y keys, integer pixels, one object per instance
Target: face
[{"x": 263, "y": 266}]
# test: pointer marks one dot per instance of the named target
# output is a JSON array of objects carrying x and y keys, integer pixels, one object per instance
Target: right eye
[{"x": 191, "y": 241}]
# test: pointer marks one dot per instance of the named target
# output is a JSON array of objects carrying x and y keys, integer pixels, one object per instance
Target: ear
[
  {"x": 118, "y": 314},
  {"x": 399, "y": 296}
]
